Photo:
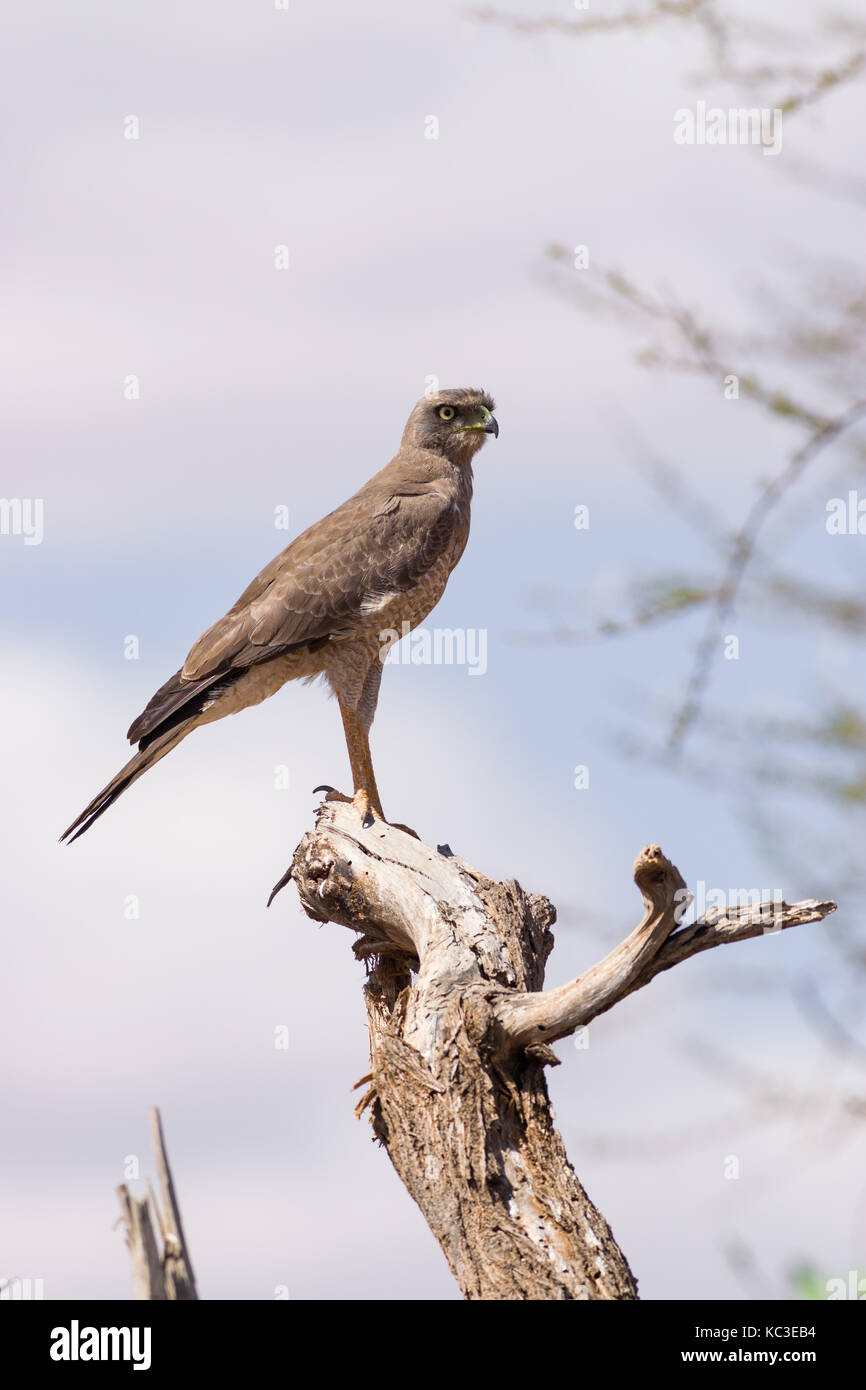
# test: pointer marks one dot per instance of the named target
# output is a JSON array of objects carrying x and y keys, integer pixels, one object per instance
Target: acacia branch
[
  {"x": 742, "y": 551},
  {"x": 824, "y": 430},
  {"x": 593, "y": 24},
  {"x": 815, "y": 81}
]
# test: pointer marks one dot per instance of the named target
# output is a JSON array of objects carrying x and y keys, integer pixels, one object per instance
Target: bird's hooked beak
[{"x": 486, "y": 422}]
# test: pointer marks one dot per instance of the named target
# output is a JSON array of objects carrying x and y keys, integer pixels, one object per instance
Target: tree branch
[
  {"x": 653, "y": 947},
  {"x": 743, "y": 548}
]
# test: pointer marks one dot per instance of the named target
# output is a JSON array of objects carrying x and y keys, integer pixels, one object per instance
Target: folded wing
[{"x": 322, "y": 588}]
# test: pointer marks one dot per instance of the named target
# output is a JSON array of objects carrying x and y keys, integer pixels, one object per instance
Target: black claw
[
  {"x": 323, "y": 788},
  {"x": 278, "y": 886},
  {"x": 446, "y": 851},
  {"x": 367, "y": 821}
]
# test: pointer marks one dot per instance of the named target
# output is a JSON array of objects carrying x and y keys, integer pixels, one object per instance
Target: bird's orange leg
[{"x": 366, "y": 796}]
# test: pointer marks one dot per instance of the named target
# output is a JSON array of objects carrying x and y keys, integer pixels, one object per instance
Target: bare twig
[
  {"x": 822, "y": 82},
  {"x": 824, "y": 430},
  {"x": 659, "y": 12},
  {"x": 814, "y": 81}
]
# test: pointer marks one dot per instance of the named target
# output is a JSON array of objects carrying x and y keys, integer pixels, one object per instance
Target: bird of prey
[{"x": 320, "y": 608}]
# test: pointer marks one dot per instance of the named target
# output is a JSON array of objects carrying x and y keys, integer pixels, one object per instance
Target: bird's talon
[
  {"x": 278, "y": 887},
  {"x": 368, "y": 813}
]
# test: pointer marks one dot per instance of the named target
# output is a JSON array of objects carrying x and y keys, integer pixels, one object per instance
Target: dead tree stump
[{"x": 460, "y": 1032}]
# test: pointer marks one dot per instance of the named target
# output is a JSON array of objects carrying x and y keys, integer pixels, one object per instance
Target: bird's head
[{"x": 454, "y": 423}]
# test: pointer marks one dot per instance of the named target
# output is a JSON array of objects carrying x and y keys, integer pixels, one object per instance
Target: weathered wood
[
  {"x": 147, "y": 1280},
  {"x": 160, "y": 1270},
  {"x": 459, "y": 1028},
  {"x": 656, "y": 945}
]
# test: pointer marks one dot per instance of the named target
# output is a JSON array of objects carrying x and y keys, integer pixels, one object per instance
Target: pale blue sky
[{"x": 259, "y": 388}]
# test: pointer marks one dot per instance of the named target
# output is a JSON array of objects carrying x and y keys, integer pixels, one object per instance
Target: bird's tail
[{"x": 143, "y": 760}]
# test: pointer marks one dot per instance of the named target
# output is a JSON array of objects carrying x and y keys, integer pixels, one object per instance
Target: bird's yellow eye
[{"x": 446, "y": 412}]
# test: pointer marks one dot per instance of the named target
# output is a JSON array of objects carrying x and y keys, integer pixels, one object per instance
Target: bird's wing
[{"x": 323, "y": 587}]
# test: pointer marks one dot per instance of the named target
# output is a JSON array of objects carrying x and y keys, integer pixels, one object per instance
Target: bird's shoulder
[
  {"x": 390, "y": 532},
  {"x": 413, "y": 490}
]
